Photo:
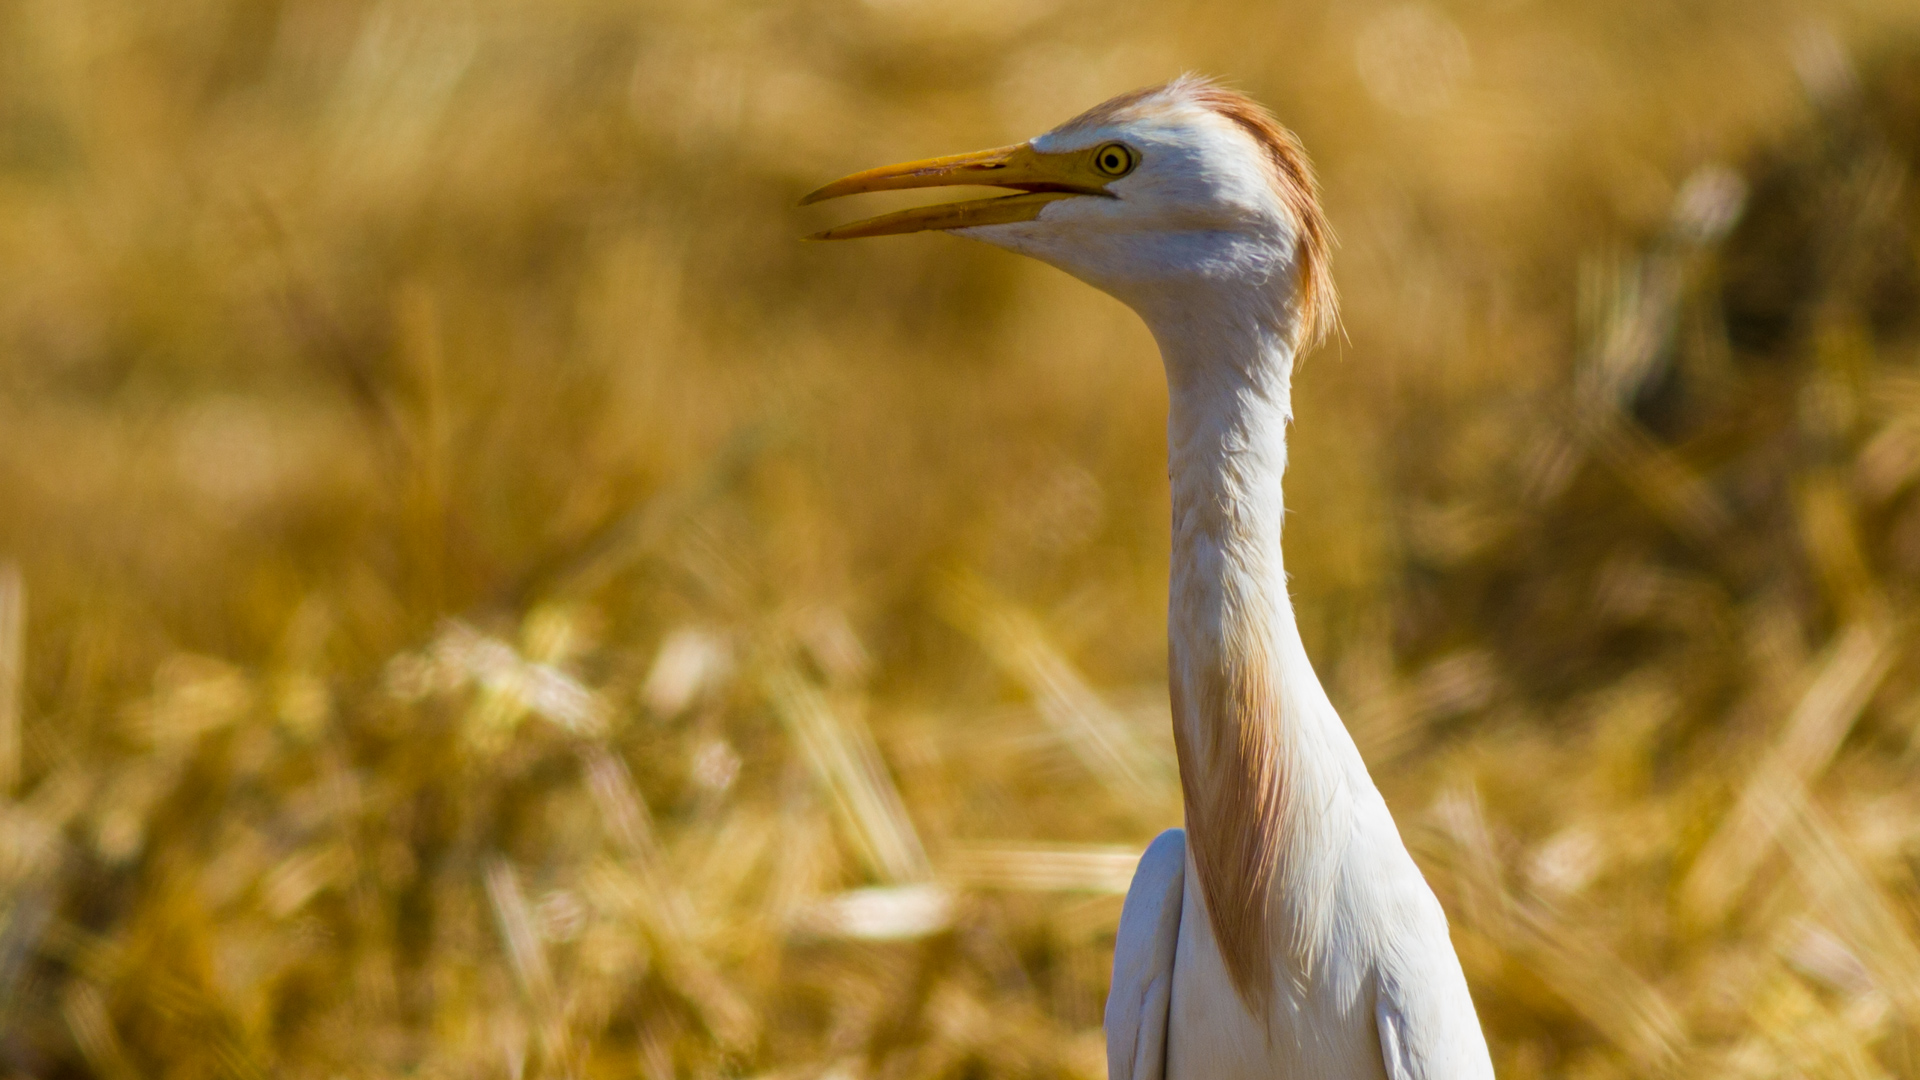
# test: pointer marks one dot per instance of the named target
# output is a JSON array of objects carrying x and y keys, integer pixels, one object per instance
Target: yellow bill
[{"x": 1041, "y": 178}]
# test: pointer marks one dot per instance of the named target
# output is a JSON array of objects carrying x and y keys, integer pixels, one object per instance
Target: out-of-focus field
[{"x": 479, "y": 599}]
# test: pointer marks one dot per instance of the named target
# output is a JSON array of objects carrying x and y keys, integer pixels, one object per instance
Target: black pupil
[{"x": 1113, "y": 160}]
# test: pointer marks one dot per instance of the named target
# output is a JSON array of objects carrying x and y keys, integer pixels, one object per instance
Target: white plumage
[{"x": 1285, "y": 932}]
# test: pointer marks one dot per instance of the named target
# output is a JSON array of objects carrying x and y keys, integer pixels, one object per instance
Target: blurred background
[{"x": 478, "y": 598}]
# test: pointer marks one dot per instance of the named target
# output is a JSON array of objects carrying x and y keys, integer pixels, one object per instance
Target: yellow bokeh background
[{"x": 480, "y": 597}]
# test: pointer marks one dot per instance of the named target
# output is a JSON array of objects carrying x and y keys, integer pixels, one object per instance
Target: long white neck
[
  {"x": 1263, "y": 758},
  {"x": 1229, "y": 404}
]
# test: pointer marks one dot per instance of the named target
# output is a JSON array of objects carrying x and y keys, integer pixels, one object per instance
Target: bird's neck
[{"x": 1250, "y": 717}]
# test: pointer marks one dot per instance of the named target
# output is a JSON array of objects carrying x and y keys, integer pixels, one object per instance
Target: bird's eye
[{"x": 1115, "y": 159}]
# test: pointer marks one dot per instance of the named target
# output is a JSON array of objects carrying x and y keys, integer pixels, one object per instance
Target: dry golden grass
[{"x": 477, "y": 598}]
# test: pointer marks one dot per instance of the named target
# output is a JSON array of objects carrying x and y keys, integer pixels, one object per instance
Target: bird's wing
[
  {"x": 1393, "y": 1042},
  {"x": 1422, "y": 1011},
  {"x": 1137, "y": 1004},
  {"x": 1426, "y": 1023}
]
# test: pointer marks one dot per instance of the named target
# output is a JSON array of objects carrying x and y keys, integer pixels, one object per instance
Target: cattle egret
[{"x": 1285, "y": 932}]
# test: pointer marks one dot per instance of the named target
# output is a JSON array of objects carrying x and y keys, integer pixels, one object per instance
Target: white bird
[{"x": 1286, "y": 932}]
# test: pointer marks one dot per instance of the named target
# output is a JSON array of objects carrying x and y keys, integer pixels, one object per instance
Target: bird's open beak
[{"x": 1042, "y": 179}]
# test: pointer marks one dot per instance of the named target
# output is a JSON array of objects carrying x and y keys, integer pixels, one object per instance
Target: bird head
[{"x": 1152, "y": 197}]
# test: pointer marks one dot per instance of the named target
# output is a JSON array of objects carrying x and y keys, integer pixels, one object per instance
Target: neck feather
[{"x": 1246, "y": 704}]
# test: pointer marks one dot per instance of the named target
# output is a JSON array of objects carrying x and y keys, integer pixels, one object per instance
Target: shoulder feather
[{"x": 1142, "y": 990}]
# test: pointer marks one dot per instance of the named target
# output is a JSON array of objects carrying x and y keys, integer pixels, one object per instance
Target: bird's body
[{"x": 1290, "y": 934}]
